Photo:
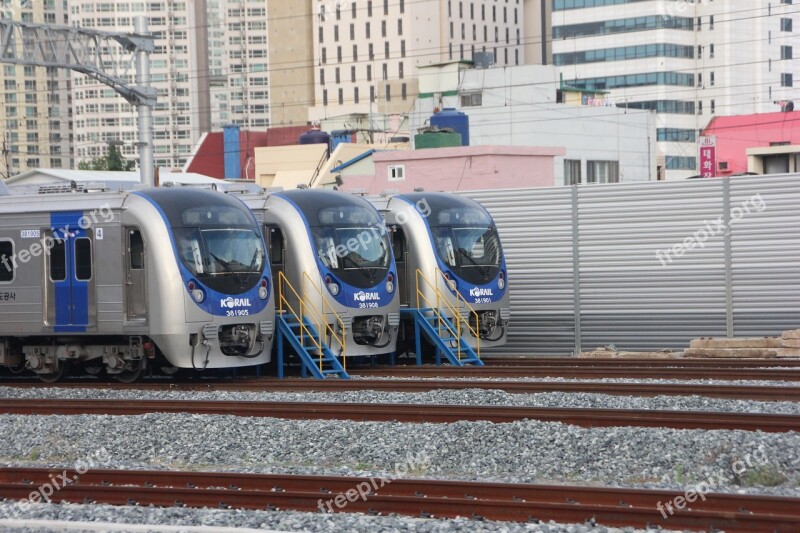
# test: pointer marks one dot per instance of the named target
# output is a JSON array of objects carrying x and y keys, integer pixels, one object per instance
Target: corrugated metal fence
[{"x": 649, "y": 266}]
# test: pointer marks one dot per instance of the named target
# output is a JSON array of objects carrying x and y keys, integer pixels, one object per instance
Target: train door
[
  {"x": 135, "y": 282},
  {"x": 400, "y": 249},
  {"x": 70, "y": 278},
  {"x": 276, "y": 248}
]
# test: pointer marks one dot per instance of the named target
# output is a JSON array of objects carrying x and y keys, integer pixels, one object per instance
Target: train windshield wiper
[
  {"x": 227, "y": 266},
  {"x": 252, "y": 266},
  {"x": 464, "y": 253},
  {"x": 362, "y": 270}
]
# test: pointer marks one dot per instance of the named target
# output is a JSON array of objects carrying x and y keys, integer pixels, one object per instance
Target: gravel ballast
[
  {"x": 442, "y": 396},
  {"x": 285, "y": 520},
  {"x": 521, "y": 452},
  {"x": 525, "y": 451}
]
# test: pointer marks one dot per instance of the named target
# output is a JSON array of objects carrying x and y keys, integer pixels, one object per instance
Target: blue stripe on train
[{"x": 71, "y": 296}]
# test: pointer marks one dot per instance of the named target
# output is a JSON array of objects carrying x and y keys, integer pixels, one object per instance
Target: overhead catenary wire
[{"x": 719, "y": 21}]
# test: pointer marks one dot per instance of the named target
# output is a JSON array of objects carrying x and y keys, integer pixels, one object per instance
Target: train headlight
[
  {"x": 390, "y": 284},
  {"x": 263, "y": 291},
  {"x": 198, "y": 295},
  {"x": 501, "y": 283},
  {"x": 452, "y": 284},
  {"x": 333, "y": 287}
]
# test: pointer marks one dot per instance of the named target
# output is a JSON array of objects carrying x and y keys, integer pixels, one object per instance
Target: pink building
[
  {"x": 462, "y": 168},
  {"x": 767, "y": 143}
]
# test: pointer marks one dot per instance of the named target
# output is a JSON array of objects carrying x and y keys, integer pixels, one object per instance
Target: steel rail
[
  {"x": 738, "y": 392},
  {"x": 676, "y": 362},
  {"x": 415, "y": 497},
  {"x": 727, "y": 374},
  {"x": 413, "y": 413}
]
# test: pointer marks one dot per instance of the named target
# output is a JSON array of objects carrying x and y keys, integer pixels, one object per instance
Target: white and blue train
[
  {"x": 447, "y": 244},
  {"x": 337, "y": 243},
  {"x": 121, "y": 281}
]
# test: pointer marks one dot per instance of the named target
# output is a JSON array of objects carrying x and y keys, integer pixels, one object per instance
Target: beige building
[
  {"x": 308, "y": 164},
  {"x": 366, "y": 53},
  {"x": 36, "y": 124},
  {"x": 291, "y": 57},
  {"x": 538, "y": 35}
]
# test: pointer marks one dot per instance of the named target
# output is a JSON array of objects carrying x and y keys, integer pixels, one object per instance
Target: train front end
[
  {"x": 452, "y": 249},
  {"x": 212, "y": 302},
  {"x": 337, "y": 243}
]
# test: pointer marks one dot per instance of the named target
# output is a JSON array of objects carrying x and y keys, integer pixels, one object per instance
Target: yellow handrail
[
  {"x": 328, "y": 308},
  {"x": 310, "y": 311},
  {"x": 460, "y": 298},
  {"x": 443, "y": 301}
]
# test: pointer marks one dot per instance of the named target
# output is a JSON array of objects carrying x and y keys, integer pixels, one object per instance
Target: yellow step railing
[
  {"x": 306, "y": 309},
  {"x": 327, "y": 309},
  {"x": 443, "y": 303}
]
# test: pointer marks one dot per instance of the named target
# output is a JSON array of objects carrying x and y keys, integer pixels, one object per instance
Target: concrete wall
[
  {"x": 518, "y": 108},
  {"x": 735, "y": 135},
  {"x": 459, "y": 169}
]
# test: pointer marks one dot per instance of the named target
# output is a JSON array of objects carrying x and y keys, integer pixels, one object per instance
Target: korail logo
[
  {"x": 477, "y": 291},
  {"x": 366, "y": 296},
  {"x": 230, "y": 303}
]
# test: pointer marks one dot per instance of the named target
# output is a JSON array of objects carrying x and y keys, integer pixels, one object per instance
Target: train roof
[
  {"x": 49, "y": 203},
  {"x": 83, "y": 200}
]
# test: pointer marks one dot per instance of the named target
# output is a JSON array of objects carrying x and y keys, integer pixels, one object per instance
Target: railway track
[
  {"x": 615, "y": 507},
  {"x": 738, "y": 392},
  {"x": 643, "y": 363},
  {"x": 413, "y": 413},
  {"x": 495, "y": 371}
]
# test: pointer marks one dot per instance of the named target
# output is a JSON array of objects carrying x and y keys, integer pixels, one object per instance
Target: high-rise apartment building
[
  {"x": 685, "y": 61},
  {"x": 291, "y": 60},
  {"x": 209, "y": 68},
  {"x": 36, "y": 121},
  {"x": 366, "y": 52}
]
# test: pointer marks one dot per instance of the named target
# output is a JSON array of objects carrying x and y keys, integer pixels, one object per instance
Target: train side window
[
  {"x": 58, "y": 260},
  {"x": 83, "y": 259},
  {"x": 136, "y": 250},
  {"x": 275, "y": 246},
  {"x": 6, "y": 261},
  {"x": 399, "y": 245}
]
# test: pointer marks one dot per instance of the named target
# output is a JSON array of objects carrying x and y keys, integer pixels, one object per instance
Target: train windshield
[
  {"x": 217, "y": 239},
  {"x": 351, "y": 243},
  {"x": 464, "y": 236},
  {"x": 348, "y": 235}
]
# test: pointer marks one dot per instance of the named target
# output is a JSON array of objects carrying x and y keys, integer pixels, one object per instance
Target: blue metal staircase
[
  {"x": 305, "y": 340},
  {"x": 304, "y": 325},
  {"x": 444, "y": 335}
]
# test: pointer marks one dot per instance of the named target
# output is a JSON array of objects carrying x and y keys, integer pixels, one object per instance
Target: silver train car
[
  {"x": 160, "y": 278},
  {"x": 453, "y": 242},
  {"x": 337, "y": 243}
]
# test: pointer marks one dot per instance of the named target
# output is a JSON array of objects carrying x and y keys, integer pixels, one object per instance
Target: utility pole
[
  {"x": 146, "y": 163},
  {"x": 93, "y": 53}
]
